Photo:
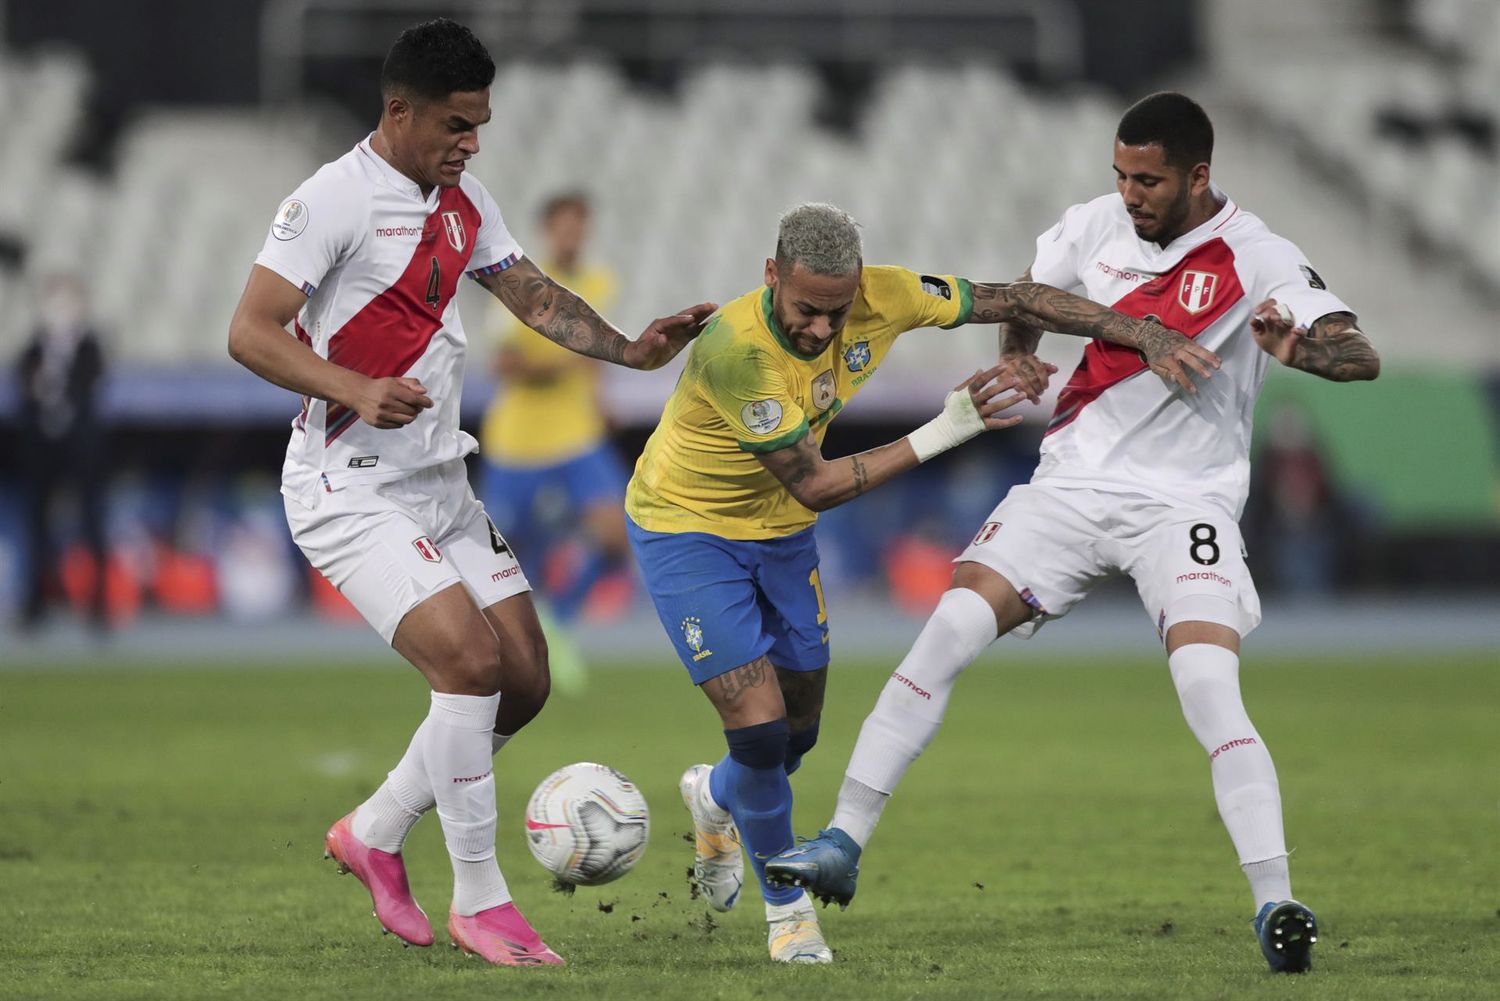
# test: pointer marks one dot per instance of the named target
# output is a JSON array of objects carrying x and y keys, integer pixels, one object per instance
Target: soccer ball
[{"x": 587, "y": 824}]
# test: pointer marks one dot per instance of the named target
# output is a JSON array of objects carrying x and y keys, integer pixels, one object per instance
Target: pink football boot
[
  {"x": 384, "y": 875},
  {"x": 502, "y": 936}
]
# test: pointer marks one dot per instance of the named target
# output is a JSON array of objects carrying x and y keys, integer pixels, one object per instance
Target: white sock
[
  {"x": 385, "y": 819},
  {"x": 910, "y": 708},
  {"x": 780, "y": 912},
  {"x": 497, "y": 741},
  {"x": 1208, "y": 683},
  {"x": 456, "y": 749}
]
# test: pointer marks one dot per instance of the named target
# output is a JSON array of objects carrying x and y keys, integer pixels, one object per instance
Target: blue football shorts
[
  {"x": 511, "y": 492},
  {"x": 725, "y": 603}
]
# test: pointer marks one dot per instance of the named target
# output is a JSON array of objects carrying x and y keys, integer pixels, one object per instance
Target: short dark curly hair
[
  {"x": 1176, "y": 123},
  {"x": 436, "y": 58}
]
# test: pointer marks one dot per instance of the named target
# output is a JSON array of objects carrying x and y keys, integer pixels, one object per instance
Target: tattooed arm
[
  {"x": 558, "y": 314},
  {"x": 1334, "y": 348},
  {"x": 1041, "y": 307},
  {"x": 819, "y": 484},
  {"x": 1019, "y": 338}
]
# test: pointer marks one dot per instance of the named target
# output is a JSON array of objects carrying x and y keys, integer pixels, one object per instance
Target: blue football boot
[
  {"x": 1287, "y": 932},
  {"x": 826, "y": 866}
]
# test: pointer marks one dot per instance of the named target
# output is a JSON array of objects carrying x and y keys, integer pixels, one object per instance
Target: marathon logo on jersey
[
  {"x": 1196, "y": 293},
  {"x": 453, "y": 226},
  {"x": 364, "y": 462},
  {"x": 505, "y": 574},
  {"x": 823, "y": 388},
  {"x": 290, "y": 221},
  {"x": 761, "y": 416},
  {"x": 1313, "y": 278},
  {"x": 692, "y": 634},
  {"x": 857, "y": 355},
  {"x": 427, "y": 549},
  {"x": 986, "y": 533},
  {"x": 937, "y": 287}
]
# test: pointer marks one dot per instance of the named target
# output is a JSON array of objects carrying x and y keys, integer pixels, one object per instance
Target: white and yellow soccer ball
[{"x": 587, "y": 824}]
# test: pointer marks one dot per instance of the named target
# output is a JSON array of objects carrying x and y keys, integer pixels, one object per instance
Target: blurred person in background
[
  {"x": 547, "y": 460},
  {"x": 363, "y": 262},
  {"x": 1139, "y": 477},
  {"x": 1294, "y": 507},
  {"x": 62, "y": 442}
]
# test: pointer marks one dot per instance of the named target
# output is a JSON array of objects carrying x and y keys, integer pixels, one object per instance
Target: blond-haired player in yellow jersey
[
  {"x": 723, "y": 500},
  {"x": 545, "y": 444}
]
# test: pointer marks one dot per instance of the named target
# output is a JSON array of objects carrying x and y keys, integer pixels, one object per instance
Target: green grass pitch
[{"x": 160, "y": 837}]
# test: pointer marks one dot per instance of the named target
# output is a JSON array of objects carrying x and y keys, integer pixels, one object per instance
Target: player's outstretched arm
[
  {"x": 1334, "y": 348},
  {"x": 258, "y": 340},
  {"x": 1019, "y": 339},
  {"x": 1171, "y": 355},
  {"x": 972, "y": 407},
  {"x": 560, "y": 315}
]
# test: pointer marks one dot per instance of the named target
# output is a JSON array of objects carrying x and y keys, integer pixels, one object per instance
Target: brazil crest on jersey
[{"x": 747, "y": 390}]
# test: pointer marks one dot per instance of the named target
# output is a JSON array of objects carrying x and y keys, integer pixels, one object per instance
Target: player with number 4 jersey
[
  {"x": 725, "y": 495},
  {"x": 363, "y": 262},
  {"x": 1143, "y": 473}
]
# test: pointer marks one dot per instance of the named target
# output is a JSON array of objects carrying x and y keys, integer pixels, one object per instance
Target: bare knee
[
  {"x": 1002, "y": 597},
  {"x": 470, "y": 670},
  {"x": 527, "y": 681}
]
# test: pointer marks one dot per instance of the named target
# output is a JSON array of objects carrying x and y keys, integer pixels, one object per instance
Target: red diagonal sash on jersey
[
  {"x": 392, "y": 331},
  {"x": 1188, "y": 299}
]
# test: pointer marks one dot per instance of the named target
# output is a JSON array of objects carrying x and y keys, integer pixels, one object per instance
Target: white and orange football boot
[
  {"x": 718, "y": 863},
  {"x": 501, "y": 935},
  {"x": 384, "y": 875}
]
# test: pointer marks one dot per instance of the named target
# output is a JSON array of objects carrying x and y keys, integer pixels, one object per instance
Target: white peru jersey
[
  {"x": 380, "y": 265},
  {"x": 1117, "y": 425}
]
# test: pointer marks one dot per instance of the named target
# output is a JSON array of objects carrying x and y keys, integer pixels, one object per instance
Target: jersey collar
[
  {"x": 394, "y": 178},
  {"x": 1193, "y": 237},
  {"x": 775, "y": 328}
]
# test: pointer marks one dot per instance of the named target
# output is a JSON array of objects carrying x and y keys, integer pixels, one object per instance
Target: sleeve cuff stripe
[
  {"x": 500, "y": 265},
  {"x": 793, "y": 436},
  {"x": 965, "y": 304}
]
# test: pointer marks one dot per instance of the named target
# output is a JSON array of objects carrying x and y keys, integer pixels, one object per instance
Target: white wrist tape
[{"x": 958, "y": 422}]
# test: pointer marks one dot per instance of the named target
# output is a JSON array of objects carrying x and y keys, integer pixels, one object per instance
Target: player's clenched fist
[
  {"x": 1174, "y": 357},
  {"x": 1275, "y": 330},
  {"x": 392, "y": 402},
  {"x": 664, "y": 338}
]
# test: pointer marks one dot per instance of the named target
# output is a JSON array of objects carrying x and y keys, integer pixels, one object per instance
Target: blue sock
[
  {"x": 569, "y": 603},
  {"x": 751, "y": 783}
]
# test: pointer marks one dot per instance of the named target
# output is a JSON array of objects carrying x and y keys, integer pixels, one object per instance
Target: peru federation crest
[
  {"x": 453, "y": 226},
  {"x": 1197, "y": 290}
]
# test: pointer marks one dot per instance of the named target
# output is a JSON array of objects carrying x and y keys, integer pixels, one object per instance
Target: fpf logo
[
  {"x": 692, "y": 633},
  {"x": 857, "y": 355},
  {"x": 1197, "y": 290}
]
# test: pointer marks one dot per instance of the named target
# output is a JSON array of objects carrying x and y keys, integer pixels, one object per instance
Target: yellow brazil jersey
[
  {"x": 540, "y": 424},
  {"x": 745, "y": 390}
]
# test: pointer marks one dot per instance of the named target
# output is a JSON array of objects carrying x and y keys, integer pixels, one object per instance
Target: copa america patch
[
  {"x": 290, "y": 221},
  {"x": 761, "y": 416}
]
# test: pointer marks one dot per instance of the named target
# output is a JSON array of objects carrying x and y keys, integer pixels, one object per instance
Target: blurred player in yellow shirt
[{"x": 547, "y": 460}]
